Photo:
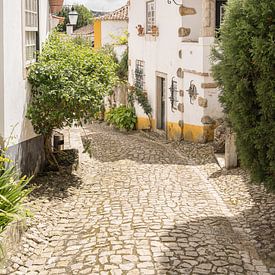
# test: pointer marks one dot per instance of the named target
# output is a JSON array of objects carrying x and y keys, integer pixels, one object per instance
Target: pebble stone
[{"x": 142, "y": 205}]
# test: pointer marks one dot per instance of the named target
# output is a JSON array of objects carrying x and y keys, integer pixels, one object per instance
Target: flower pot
[
  {"x": 56, "y": 5},
  {"x": 155, "y": 31},
  {"x": 140, "y": 30}
]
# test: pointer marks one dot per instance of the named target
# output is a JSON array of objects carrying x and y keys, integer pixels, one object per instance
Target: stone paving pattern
[{"x": 142, "y": 205}]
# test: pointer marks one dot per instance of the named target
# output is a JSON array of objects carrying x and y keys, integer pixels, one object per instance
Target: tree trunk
[{"x": 50, "y": 158}]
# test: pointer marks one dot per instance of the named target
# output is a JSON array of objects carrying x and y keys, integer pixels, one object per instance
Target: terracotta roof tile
[
  {"x": 89, "y": 29},
  {"x": 119, "y": 14}
]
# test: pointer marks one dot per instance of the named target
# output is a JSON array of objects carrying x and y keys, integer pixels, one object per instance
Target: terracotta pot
[
  {"x": 155, "y": 31},
  {"x": 56, "y": 5}
]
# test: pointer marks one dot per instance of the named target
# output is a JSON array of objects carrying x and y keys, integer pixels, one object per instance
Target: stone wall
[
  {"x": 29, "y": 155},
  {"x": 10, "y": 239}
]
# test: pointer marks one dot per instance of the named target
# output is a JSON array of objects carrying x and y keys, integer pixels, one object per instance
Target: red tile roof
[
  {"x": 86, "y": 30},
  {"x": 119, "y": 14}
]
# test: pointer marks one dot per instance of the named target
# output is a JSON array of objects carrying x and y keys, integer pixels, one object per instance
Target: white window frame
[
  {"x": 30, "y": 30},
  {"x": 150, "y": 15}
]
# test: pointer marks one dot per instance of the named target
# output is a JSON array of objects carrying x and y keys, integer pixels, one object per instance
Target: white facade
[
  {"x": 14, "y": 87},
  {"x": 110, "y": 29},
  {"x": 167, "y": 57}
]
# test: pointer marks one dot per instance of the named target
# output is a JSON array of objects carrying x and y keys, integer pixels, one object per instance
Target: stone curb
[{"x": 10, "y": 239}]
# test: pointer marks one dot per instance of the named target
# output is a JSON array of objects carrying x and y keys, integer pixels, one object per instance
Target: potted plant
[
  {"x": 155, "y": 30},
  {"x": 56, "y": 5},
  {"x": 140, "y": 30}
]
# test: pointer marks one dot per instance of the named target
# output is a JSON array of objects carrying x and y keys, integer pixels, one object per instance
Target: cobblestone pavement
[{"x": 141, "y": 205}]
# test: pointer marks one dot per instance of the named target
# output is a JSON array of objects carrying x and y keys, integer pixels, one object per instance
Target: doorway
[{"x": 161, "y": 102}]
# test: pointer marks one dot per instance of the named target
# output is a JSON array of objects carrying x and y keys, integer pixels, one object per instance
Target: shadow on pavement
[
  {"x": 206, "y": 246},
  {"x": 54, "y": 185}
]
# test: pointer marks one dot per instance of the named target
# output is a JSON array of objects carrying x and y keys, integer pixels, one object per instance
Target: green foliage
[
  {"x": 82, "y": 41},
  {"x": 122, "y": 65},
  {"x": 68, "y": 82},
  {"x": 142, "y": 99},
  {"x": 245, "y": 70},
  {"x": 122, "y": 117},
  {"x": 122, "y": 69},
  {"x": 85, "y": 16},
  {"x": 12, "y": 192},
  {"x": 121, "y": 39},
  {"x": 109, "y": 50}
]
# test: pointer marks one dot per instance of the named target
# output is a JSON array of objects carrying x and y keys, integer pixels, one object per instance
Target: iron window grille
[
  {"x": 139, "y": 74},
  {"x": 150, "y": 16},
  {"x": 173, "y": 95}
]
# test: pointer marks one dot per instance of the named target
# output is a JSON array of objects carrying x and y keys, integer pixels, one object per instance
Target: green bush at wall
[
  {"x": 245, "y": 70},
  {"x": 69, "y": 82},
  {"x": 122, "y": 117},
  {"x": 13, "y": 191}
]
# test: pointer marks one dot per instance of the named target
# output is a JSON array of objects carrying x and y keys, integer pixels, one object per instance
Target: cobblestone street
[{"x": 141, "y": 205}]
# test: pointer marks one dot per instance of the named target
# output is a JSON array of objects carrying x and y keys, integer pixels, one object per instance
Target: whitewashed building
[
  {"x": 169, "y": 48},
  {"x": 24, "y": 26},
  {"x": 109, "y": 27}
]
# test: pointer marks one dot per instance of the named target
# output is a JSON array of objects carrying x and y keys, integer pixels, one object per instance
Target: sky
[{"x": 98, "y": 5}]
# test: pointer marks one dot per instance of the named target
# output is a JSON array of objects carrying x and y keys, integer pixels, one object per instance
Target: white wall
[
  {"x": 112, "y": 27},
  {"x": 161, "y": 54},
  {"x": 16, "y": 87},
  {"x": 115, "y": 28}
]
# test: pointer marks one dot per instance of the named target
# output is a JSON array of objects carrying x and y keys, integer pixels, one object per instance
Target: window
[
  {"x": 150, "y": 16},
  {"x": 139, "y": 74},
  {"x": 31, "y": 30},
  {"x": 220, "y": 9}
]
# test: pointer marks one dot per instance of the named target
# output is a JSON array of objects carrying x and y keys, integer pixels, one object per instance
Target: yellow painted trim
[
  {"x": 198, "y": 133},
  {"x": 144, "y": 123},
  {"x": 174, "y": 131},
  {"x": 98, "y": 34},
  {"x": 194, "y": 133}
]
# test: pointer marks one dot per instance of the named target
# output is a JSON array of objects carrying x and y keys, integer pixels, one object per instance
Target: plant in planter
[
  {"x": 140, "y": 30},
  {"x": 155, "y": 30}
]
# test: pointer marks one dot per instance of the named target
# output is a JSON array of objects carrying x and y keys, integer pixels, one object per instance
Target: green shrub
[
  {"x": 12, "y": 192},
  {"x": 245, "y": 70},
  {"x": 69, "y": 82},
  {"x": 122, "y": 117}
]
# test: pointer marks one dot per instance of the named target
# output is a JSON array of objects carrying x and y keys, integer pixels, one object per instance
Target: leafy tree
[
  {"x": 68, "y": 82},
  {"x": 85, "y": 16},
  {"x": 245, "y": 70}
]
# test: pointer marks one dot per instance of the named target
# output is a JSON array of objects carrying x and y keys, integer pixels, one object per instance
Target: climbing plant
[
  {"x": 68, "y": 82},
  {"x": 138, "y": 95},
  {"x": 245, "y": 70}
]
